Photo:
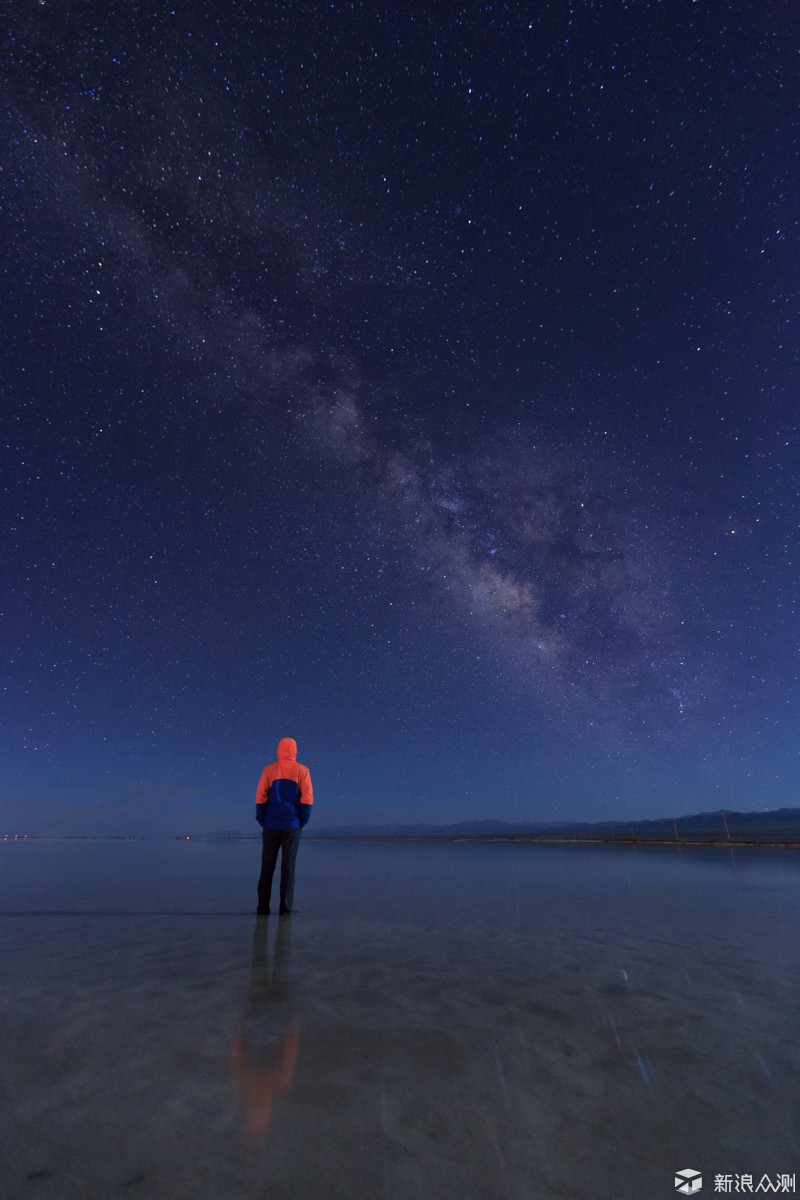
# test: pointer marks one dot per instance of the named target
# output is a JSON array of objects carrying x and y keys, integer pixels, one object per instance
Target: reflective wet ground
[{"x": 459, "y": 1021}]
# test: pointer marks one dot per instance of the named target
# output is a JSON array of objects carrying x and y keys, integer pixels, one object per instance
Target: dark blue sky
[{"x": 417, "y": 381}]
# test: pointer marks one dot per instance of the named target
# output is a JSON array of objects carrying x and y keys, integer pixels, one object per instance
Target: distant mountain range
[
  {"x": 773, "y": 818},
  {"x": 776, "y": 818}
]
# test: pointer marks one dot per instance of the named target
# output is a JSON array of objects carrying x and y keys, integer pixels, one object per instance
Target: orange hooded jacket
[{"x": 284, "y": 794}]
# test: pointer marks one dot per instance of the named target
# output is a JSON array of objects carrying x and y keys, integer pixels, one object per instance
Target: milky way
[{"x": 496, "y": 397}]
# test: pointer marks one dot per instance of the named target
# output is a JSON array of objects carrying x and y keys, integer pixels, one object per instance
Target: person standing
[{"x": 283, "y": 805}]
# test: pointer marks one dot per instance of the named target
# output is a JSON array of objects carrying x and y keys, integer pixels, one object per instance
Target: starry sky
[{"x": 415, "y": 380}]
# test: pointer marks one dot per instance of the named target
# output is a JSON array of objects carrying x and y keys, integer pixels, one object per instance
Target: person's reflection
[{"x": 264, "y": 1052}]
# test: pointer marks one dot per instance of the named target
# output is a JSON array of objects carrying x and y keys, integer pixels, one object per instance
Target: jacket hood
[{"x": 287, "y": 750}]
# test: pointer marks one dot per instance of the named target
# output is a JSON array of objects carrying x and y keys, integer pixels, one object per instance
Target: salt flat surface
[{"x": 455, "y": 1021}]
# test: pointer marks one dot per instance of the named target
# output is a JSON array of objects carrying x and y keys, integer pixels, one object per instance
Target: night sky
[{"x": 418, "y": 381}]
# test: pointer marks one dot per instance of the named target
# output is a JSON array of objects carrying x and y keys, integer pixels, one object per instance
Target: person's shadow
[{"x": 264, "y": 1051}]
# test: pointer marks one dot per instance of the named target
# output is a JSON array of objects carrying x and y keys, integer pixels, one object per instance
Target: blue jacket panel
[{"x": 283, "y": 808}]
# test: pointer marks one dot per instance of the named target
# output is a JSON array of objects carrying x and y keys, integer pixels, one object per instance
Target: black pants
[{"x": 273, "y": 840}]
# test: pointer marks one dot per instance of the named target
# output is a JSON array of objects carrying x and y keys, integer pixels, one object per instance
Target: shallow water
[{"x": 461, "y": 1021}]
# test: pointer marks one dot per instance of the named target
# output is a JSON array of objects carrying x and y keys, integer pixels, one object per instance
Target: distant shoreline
[
  {"x": 578, "y": 839},
  {"x": 719, "y": 827}
]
